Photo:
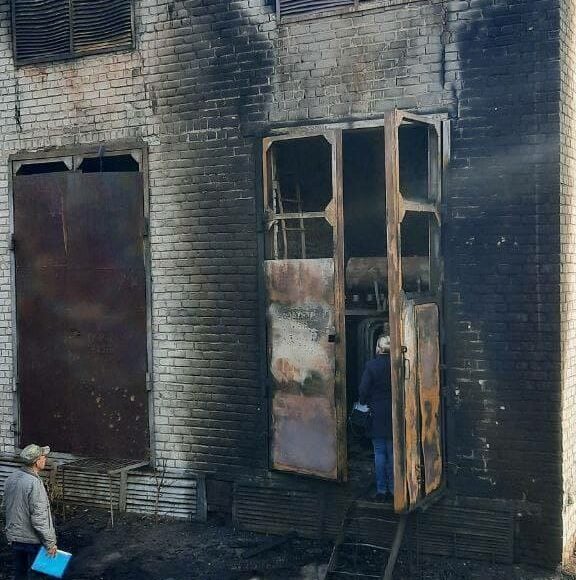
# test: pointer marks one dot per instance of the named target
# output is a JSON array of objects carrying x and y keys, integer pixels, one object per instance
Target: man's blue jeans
[{"x": 384, "y": 464}]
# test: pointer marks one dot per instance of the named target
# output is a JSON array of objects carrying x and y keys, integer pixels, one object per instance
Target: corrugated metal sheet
[
  {"x": 90, "y": 489},
  {"x": 443, "y": 529},
  {"x": 301, "y": 6},
  {"x": 181, "y": 496},
  {"x": 178, "y": 498},
  {"x": 463, "y": 532}
]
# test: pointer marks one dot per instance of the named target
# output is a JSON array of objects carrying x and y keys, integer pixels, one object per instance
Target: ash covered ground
[{"x": 138, "y": 548}]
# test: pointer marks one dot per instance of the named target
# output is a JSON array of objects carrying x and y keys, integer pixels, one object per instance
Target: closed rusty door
[
  {"x": 414, "y": 163},
  {"x": 81, "y": 313},
  {"x": 304, "y": 301}
]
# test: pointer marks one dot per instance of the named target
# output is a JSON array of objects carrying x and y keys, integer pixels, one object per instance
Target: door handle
[{"x": 405, "y": 363}]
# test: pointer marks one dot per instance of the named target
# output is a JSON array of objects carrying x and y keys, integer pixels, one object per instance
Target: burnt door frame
[
  {"x": 403, "y": 305},
  {"x": 72, "y": 157},
  {"x": 334, "y": 215}
]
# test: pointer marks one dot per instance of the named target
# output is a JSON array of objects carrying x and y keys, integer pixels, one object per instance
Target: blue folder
[{"x": 55, "y": 566}]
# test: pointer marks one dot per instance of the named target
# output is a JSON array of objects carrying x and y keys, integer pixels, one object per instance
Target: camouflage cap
[{"x": 31, "y": 453}]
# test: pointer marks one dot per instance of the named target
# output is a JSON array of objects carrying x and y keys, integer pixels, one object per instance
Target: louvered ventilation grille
[
  {"x": 42, "y": 28},
  {"x": 45, "y": 29},
  {"x": 101, "y": 24},
  {"x": 301, "y": 6}
]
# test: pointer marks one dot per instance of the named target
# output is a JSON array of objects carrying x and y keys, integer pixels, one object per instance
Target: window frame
[{"x": 71, "y": 54}]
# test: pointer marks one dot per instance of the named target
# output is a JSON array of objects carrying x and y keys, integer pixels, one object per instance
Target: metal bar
[
  {"x": 355, "y": 574},
  {"x": 373, "y": 546},
  {"x": 389, "y": 571},
  {"x": 303, "y": 230},
  {"x": 339, "y": 304},
  {"x": 297, "y": 216},
  {"x": 395, "y": 307},
  {"x": 123, "y": 490}
]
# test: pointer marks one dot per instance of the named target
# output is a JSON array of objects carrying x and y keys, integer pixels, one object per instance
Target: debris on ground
[{"x": 136, "y": 548}]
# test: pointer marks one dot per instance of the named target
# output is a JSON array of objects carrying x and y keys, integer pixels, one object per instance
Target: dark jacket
[{"x": 376, "y": 391}]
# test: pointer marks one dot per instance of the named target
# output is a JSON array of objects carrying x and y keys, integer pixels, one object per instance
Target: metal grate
[
  {"x": 102, "y": 25},
  {"x": 287, "y": 7},
  {"x": 443, "y": 529},
  {"x": 90, "y": 482},
  {"x": 45, "y": 30},
  {"x": 41, "y": 28}
]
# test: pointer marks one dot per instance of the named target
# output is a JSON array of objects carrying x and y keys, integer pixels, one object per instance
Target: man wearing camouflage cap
[{"x": 27, "y": 508}]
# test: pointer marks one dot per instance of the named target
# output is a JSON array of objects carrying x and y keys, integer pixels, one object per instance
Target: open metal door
[
  {"x": 304, "y": 308},
  {"x": 414, "y": 158}
]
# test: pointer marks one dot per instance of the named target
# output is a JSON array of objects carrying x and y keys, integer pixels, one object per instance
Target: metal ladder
[
  {"x": 280, "y": 205},
  {"x": 351, "y": 554}
]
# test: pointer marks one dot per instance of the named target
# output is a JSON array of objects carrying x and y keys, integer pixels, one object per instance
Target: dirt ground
[{"x": 137, "y": 548}]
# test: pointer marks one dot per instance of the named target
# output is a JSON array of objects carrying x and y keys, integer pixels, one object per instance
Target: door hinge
[
  {"x": 146, "y": 229},
  {"x": 12, "y": 242}
]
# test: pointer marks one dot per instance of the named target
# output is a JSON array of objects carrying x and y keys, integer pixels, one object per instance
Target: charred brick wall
[
  {"x": 207, "y": 79},
  {"x": 568, "y": 268},
  {"x": 493, "y": 66},
  {"x": 198, "y": 75},
  {"x": 502, "y": 252}
]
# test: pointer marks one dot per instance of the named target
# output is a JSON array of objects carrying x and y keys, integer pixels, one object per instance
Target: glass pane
[
  {"x": 413, "y": 144},
  {"x": 301, "y": 175},
  {"x": 300, "y": 239},
  {"x": 415, "y": 248}
]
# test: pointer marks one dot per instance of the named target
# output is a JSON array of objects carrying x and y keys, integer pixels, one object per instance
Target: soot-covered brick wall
[
  {"x": 493, "y": 67},
  {"x": 207, "y": 80},
  {"x": 568, "y": 270},
  {"x": 210, "y": 81},
  {"x": 502, "y": 254}
]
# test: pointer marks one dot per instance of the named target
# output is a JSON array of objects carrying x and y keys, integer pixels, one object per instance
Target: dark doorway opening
[{"x": 365, "y": 257}]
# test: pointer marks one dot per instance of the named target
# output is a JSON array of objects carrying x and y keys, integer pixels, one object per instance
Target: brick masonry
[
  {"x": 208, "y": 78},
  {"x": 568, "y": 268}
]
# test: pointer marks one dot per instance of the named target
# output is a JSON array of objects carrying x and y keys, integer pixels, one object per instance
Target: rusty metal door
[
  {"x": 81, "y": 313},
  {"x": 414, "y": 160},
  {"x": 305, "y": 338}
]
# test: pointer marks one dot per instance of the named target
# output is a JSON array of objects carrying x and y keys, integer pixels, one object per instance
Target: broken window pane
[
  {"x": 301, "y": 174},
  {"x": 413, "y": 143},
  {"x": 291, "y": 239},
  {"x": 42, "y": 167},
  {"x": 415, "y": 247},
  {"x": 113, "y": 163}
]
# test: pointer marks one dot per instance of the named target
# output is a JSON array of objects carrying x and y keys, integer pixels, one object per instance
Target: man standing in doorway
[
  {"x": 27, "y": 508},
  {"x": 376, "y": 391}
]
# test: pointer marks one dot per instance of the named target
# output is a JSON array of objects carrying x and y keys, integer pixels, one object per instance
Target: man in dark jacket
[
  {"x": 376, "y": 391},
  {"x": 28, "y": 518}
]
